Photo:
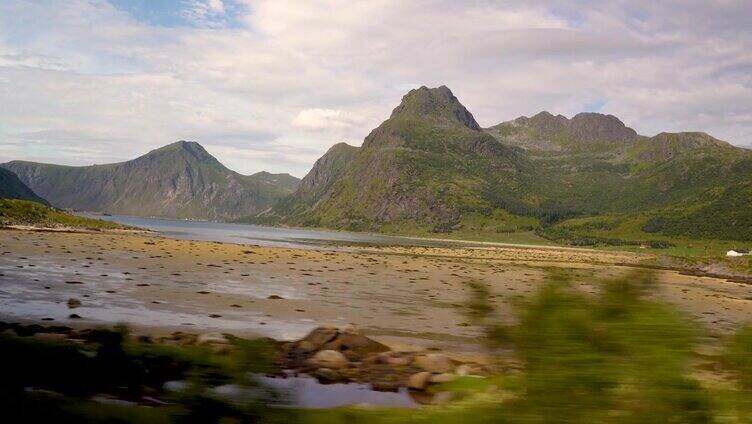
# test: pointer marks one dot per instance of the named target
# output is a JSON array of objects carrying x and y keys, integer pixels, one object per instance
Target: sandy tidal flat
[{"x": 399, "y": 294}]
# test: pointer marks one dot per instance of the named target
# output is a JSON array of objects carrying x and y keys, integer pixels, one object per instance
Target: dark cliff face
[
  {"x": 591, "y": 127},
  {"x": 180, "y": 180},
  {"x": 11, "y": 187}
]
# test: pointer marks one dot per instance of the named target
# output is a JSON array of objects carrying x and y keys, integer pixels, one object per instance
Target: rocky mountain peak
[
  {"x": 590, "y": 126},
  {"x": 187, "y": 150},
  {"x": 438, "y": 104}
]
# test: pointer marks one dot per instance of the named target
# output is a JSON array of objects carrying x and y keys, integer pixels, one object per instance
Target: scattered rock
[
  {"x": 354, "y": 344},
  {"x": 73, "y": 303},
  {"x": 275, "y": 297},
  {"x": 419, "y": 381},
  {"x": 435, "y": 362},
  {"x": 74, "y": 316},
  {"x": 329, "y": 359}
]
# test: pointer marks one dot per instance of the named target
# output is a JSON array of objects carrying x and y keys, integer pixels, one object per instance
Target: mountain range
[
  {"x": 180, "y": 180},
  {"x": 430, "y": 165}
]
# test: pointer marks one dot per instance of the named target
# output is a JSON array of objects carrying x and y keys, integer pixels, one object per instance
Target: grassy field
[
  {"x": 501, "y": 227},
  {"x": 23, "y": 212}
]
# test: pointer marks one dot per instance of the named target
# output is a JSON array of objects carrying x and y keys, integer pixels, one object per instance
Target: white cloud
[
  {"x": 319, "y": 119},
  {"x": 92, "y": 83}
]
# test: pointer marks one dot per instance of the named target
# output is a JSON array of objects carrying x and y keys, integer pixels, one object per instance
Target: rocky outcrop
[
  {"x": 547, "y": 132},
  {"x": 340, "y": 355}
]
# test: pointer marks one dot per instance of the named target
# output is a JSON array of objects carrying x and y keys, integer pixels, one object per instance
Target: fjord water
[{"x": 267, "y": 236}]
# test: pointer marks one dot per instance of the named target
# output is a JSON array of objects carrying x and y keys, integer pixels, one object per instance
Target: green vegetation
[
  {"x": 498, "y": 227},
  {"x": 23, "y": 212},
  {"x": 612, "y": 357}
]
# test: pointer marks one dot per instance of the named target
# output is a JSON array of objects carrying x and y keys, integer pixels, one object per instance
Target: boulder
[
  {"x": 320, "y": 336},
  {"x": 419, "y": 381},
  {"x": 354, "y": 344},
  {"x": 304, "y": 346},
  {"x": 435, "y": 363},
  {"x": 328, "y": 359},
  {"x": 326, "y": 374}
]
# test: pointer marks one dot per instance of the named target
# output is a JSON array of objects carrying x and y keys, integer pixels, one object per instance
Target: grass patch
[{"x": 24, "y": 212}]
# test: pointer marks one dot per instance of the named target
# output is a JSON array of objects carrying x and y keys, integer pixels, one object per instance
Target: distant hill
[
  {"x": 12, "y": 188},
  {"x": 180, "y": 180},
  {"x": 431, "y": 166}
]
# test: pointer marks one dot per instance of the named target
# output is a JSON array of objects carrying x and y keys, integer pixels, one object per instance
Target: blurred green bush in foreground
[{"x": 610, "y": 356}]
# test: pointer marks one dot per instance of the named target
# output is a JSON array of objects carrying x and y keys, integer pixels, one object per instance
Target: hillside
[
  {"x": 431, "y": 168},
  {"x": 14, "y": 212},
  {"x": 12, "y": 188},
  {"x": 181, "y": 180},
  {"x": 429, "y": 164}
]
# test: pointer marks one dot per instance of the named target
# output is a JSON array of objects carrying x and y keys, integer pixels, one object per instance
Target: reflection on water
[
  {"x": 268, "y": 236},
  {"x": 26, "y": 293},
  {"x": 307, "y": 392}
]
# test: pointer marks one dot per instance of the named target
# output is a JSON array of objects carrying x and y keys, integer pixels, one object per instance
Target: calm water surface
[{"x": 269, "y": 236}]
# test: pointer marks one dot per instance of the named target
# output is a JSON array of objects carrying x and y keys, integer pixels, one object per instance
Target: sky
[{"x": 271, "y": 85}]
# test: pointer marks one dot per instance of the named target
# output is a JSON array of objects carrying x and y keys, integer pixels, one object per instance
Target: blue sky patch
[
  {"x": 184, "y": 13},
  {"x": 594, "y": 105}
]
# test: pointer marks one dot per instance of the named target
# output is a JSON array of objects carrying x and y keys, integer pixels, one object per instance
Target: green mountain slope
[
  {"x": 12, "y": 188},
  {"x": 431, "y": 166},
  {"x": 180, "y": 180}
]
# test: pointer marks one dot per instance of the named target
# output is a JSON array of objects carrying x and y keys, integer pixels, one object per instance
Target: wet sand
[{"x": 400, "y": 295}]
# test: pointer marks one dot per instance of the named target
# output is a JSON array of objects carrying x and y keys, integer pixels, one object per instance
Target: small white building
[{"x": 737, "y": 252}]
